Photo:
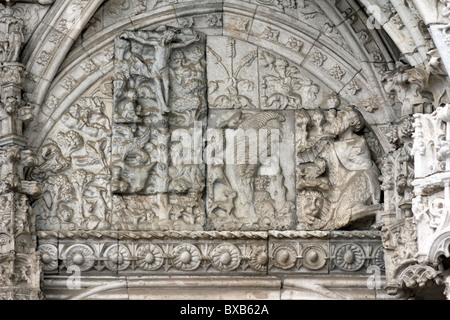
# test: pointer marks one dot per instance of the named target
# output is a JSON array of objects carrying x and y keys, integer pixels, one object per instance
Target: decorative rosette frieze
[
  {"x": 173, "y": 256},
  {"x": 211, "y": 252}
]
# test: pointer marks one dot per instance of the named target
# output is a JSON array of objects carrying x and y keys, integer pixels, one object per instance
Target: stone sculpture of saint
[{"x": 15, "y": 40}]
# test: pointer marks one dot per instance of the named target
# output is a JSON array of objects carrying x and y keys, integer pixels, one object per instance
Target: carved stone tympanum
[
  {"x": 287, "y": 144},
  {"x": 336, "y": 179}
]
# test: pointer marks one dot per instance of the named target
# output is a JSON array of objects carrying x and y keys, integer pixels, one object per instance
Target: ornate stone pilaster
[
  {"x": 397, "y": 174},
  {"x": 414, "y": 174},
  {"x": 416, "y": 243},
  {"x": 20, "y": 269}
]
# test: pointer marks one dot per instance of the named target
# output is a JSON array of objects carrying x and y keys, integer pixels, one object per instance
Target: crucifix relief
[{"x": 164, "y": 43}]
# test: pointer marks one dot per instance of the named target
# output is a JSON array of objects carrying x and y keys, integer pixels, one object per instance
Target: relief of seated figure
[{"x": 354, "y": 192}]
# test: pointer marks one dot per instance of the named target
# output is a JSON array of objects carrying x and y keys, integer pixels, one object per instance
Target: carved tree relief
[
  {"x": 74, "y": 169},
  {"x": 159, "y": 92},
  {"x": 250, "y": 185}
]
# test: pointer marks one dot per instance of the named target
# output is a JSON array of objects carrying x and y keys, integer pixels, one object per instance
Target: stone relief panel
[
  {"x": 232, "y": 83},
  {"x": 283, "y": 86},
  {"x": 74, "y": 167},
  {"x": 250, "y": 176},
  {"x": 158, "y": 212},
  {"x": 160, "y": 98},
  {"x": 231, "y": 74},
  {"x": 337, "y": 181},
  {"x": 17, "y": 23},
  {"x": 198, "y": 132}
]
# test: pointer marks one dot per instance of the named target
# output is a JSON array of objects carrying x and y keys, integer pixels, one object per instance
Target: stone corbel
[
  {"x": 418, "y": 275},
  {"x": 408, "y": 83}
]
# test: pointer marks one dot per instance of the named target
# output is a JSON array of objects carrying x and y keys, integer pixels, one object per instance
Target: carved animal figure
[
  {"x": 226, "y": 205},
  {"x": 245, "y": 173}
]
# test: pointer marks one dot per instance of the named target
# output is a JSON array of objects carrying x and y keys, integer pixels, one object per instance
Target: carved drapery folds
[
  {"x": 150, "y": 157},
  {"x": 336, "y": 178}
]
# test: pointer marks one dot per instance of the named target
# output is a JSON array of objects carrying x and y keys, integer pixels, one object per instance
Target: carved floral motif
[{"x": 283, "y": 86}]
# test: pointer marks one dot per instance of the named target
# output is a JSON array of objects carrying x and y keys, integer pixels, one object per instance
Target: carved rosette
[
  {"x": 379, "y": 258},
  {"x": 186, "y": 257},
  {"x": 314, "y": 257},
  {"x": 80, "y": 256},
  {"x": 225, "y": 257},
  {"x": 284, "y": 257},
  {"x": 150, "y": 257},
  {"x": 118, "y": 257},
  {"x": 349, "y": 257},
  {"x": 259, "y": 258},
  {"x": 49, "y": 257}
]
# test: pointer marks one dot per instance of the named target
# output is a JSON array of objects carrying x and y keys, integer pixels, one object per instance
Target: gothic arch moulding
[{"x": 353, "y": 72}]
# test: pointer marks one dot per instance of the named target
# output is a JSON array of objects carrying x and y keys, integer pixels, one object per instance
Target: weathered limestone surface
[{"x": 299, "y": 149}]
